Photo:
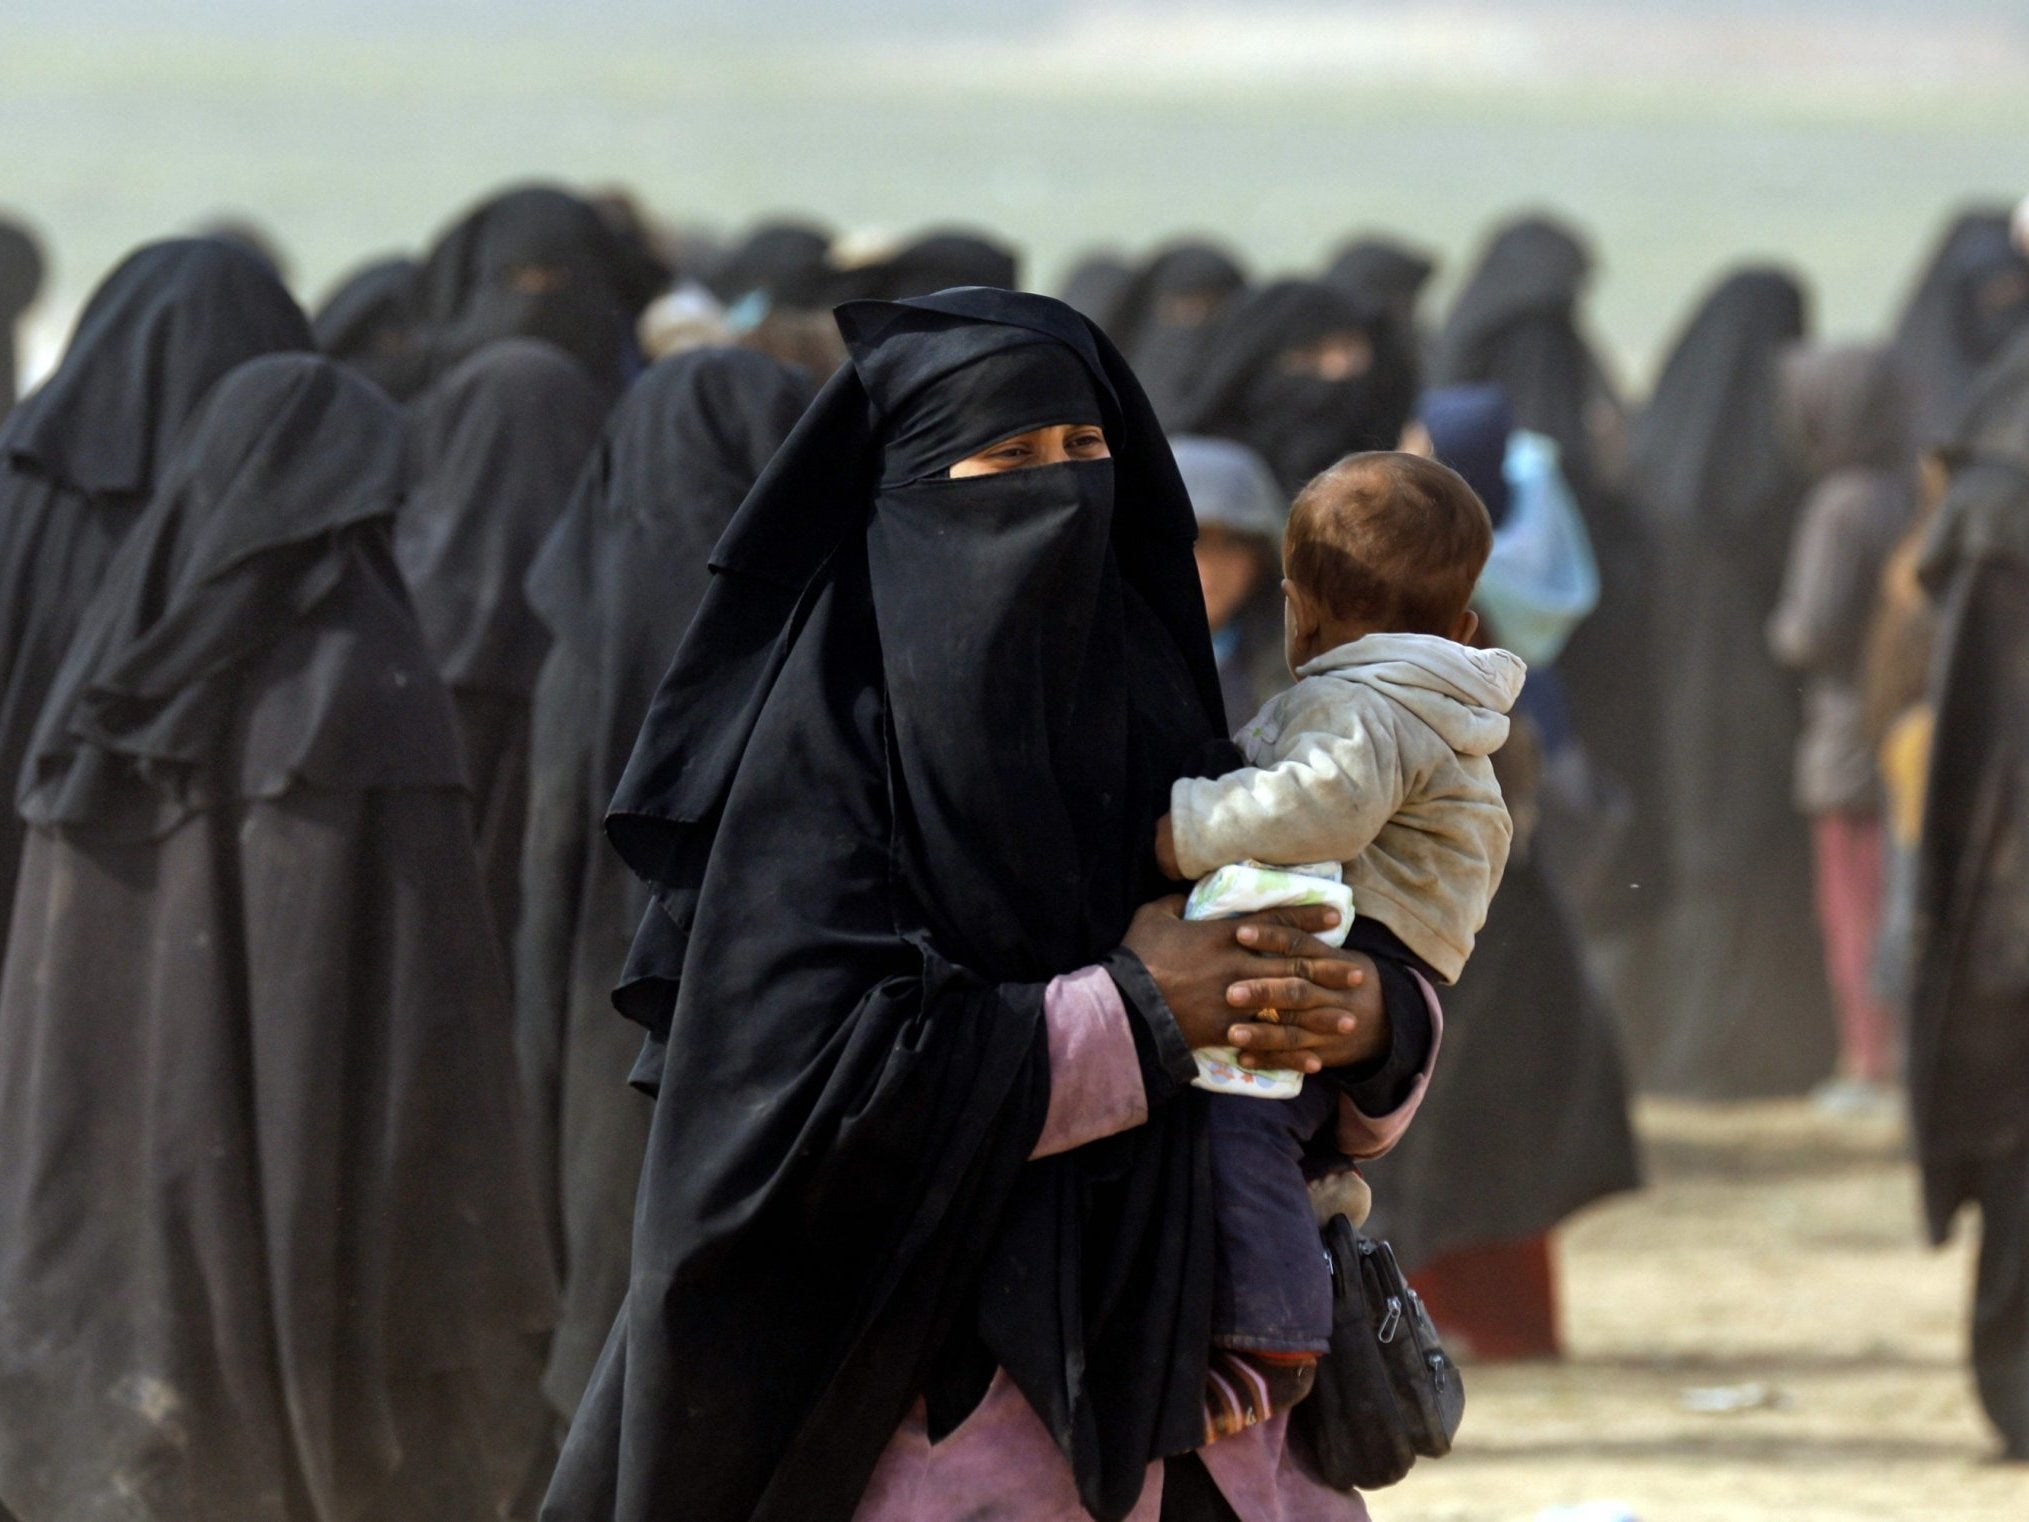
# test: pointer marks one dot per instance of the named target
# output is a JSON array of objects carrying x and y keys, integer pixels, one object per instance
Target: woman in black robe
[
  {"x": 80, "y": 456},
  {"x": 1167, "y": 317},
  {"x": 1380, "y": 272},
  {"x": 533, "y": 262},
  {"x": 1304, "y": 377},
  {"x": 268, "y": 1244},
  {"x": 1731, "y": 1002},
  {"x": 495, "y": 450},
  {"x": 616, "y": 583},
  {"x": 1969, "y": 1018},
  {"x": 901, "y": 778},
  {"x": 1971, "y": 300},
  {"x": 1517, "y": 323}
]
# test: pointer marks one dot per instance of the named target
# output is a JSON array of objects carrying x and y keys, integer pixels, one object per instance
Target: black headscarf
[
  {"x": 535, "y": 262},
  {"x": 496, "y": 447},
  {"x": 1955, "y": 325},
  {"x": 1379, "y": 272},
  {"x": 21, "y": 272},
  {"x": 1097, "y": 288},
  {"x": 368, "y": 321},
  {"x": 1167, "y": 316},
  {"x": 896, "y": 780},
  {"x": 290, "y": 470},
  {"x": 1301, "y": 424},
  {"x": 788, "y": 263},
  {"x": 1516, "y": 323},
  {"x": 79, "y": 456},
  {"x": 933, "y": 262},
  {"x": 1710, "y": 449},
  {"x": 155, "y": 336}
]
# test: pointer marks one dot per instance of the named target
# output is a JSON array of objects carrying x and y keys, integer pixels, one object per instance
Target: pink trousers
[{"x": 1848, "y": 852}]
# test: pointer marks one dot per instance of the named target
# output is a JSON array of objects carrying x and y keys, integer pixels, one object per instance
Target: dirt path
[{"x": 1774, "y": 1248}]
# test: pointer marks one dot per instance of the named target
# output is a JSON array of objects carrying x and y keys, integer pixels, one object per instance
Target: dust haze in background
[{"x": 1835, "y": 134}]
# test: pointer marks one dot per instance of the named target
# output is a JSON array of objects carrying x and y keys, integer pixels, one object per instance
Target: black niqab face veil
[
  {"x": 899, "y": 776},
  {"x": 154, "y": 338}
]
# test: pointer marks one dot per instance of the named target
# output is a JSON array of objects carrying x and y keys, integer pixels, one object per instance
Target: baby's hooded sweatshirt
[{"x": 1378, "y": 758}]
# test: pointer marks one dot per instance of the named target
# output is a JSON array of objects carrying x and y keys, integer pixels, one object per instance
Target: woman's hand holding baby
[{"x": 1329, "y": 1010}]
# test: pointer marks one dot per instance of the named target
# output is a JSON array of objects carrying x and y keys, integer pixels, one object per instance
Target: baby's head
[{"x": 1382, "y": 542}]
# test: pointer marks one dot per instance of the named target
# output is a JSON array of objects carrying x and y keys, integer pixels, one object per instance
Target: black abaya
[
  {"x": 616, "y": 583},
  {"x": 900, "y": 775},
  {"x": 1732, "y": 1002},
  {"x": 1517, "y": 324},
  {"x": 495, "y": 449},
  {"x": 1969, "y": 1014},
  {"x": 268, "y": 1249},
  {"x": 79, "y": 456}
]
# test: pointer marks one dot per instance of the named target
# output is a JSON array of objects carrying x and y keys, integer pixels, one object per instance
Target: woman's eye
[{"x": 1089, "y": 441}]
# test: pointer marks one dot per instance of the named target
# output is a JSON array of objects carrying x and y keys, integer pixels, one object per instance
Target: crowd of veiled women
[{"x": 324, "y": 646}]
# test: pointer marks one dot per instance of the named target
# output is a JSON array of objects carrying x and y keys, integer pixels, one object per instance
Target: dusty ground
[{"x": 1773, "y": 1248}]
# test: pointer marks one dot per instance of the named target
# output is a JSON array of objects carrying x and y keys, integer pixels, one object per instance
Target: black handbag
[{"x": 1386, "y": 1392}]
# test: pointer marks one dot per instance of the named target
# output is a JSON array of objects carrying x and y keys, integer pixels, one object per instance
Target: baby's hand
[{"x": 1166, "y": 849}]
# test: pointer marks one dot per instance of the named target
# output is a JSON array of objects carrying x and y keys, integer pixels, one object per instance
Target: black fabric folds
[
  {"x": 1735, "y": 1004},
  {"x": 252, "y": 527},
  {"x": 899, "y": 776},
  {"x": 156, "y": 334},
  {"x": 78, "y": 457},
  {"x": 496, "y": 447},
  {"x": 1301, "y": 423},
  {"x": 1969, "y": 1013},
  {"x": 617, "y": 582},
  {"x": 268, "y": 1248}
]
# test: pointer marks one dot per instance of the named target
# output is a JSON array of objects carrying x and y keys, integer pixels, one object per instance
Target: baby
[{"x": 1378, "y": 759}]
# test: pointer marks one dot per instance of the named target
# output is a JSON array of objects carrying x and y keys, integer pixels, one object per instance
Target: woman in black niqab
[
  {"x": 80, "y": 456},
  {"x": 617, "y": 583},
  {"x": 1733, "y": 1002},
  {"x": 1971, "y": 300},
  {"x": 900, "y": 775},
  {"x": 1303, "y": 376},
  {"x": 1166, "y": 318},
  {"x": 495, "y": 451},
  {"x": 1380, "y": 272},
  {"x": 271, "y": 1255},
  {"x": 368, "y": 321},
  {"x": 533, "y": 262}
]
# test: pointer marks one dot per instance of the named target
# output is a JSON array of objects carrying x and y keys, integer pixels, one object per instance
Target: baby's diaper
[{"x": 1246, "y": 889}]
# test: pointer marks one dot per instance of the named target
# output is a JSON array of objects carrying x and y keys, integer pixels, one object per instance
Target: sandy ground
[{"x": 1774, "y": 1248}]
